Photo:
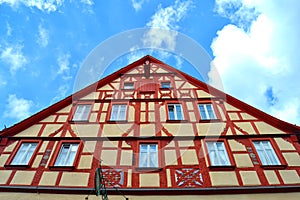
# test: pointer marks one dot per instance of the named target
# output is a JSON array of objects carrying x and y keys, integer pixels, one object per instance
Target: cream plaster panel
[
  {"x": 151, "y": 106},
  {"x": 242, "y": 160},
  {"x": 110, "y": 144},
  {"x": 49, "y": 196},
  {"x": 103, "y": 117},
  {"x": 92, "y": 95},
  {"x": 32, "y": 131},
  {"x": 131, "y": 114},
  {"x": 192, "y": 116},
  {"x": 85, "y": 162},
  {"x": 134, "y": 71},
  {"x": 37, "y": 161},
  {"x": 62, "y": 118},
  {"x": 142, "y": 116},
  {"x": 129, "y": 178},
  {"x": 115, "y": 129},
  {"x": 96, "y": 107},
  {"x": 210, "y": 128},
  {"x": 233, "y": 116},
  {"x": 236, "y": 146},
  {"x": 86, "y": 130},
  {"x": 67, "y": 109},
  {"x": 229, "y": 107},
  {"x": 169, "y": 181},
  {"x": 51, "y": 128},
  {"x": 246, "y": 116},
  {"x": 189, "y": 157},
  {"x": 186, "y": 143},
  {"x": 170, "y": 157},
  {"x": 187, "y": 85},
  {"x": 163, "y": 114},
  {"x": 283, "y": 144},
  {"x": 151, "y": 117},
  {"x": 116, "y": 84},
  {"x": 246, "y": 126},
  {"x": 4, "y": 174},
  {"x": 23, "y": 178},
  {"x": 223, "y": 179},
  {"x": 265, "y": 128},
  {"x": 93, "y": 117},
  {"x": 171, "y": 144},
  {"x": 289, "y": 176},
  {"x": 11, "y": 147},
  {"x": 190, "y": 105},
  {"x": 292, "y": 159},
  {"x": 179, "y": 83},
  {"x": 160, "y": 70},
  {"x": 89, "y": 146},
  {"x": 147, "y": 130},
  {"x": 51, "y": 118},
  {"x": 143, "y": 106},
  {"x": 48, "y": 178},
  {"x": 223, "y": 117},
  {"x": 229, "y": 132},
  {"x": 180, "y": 129},
  {"x": 125, "y": 145},
  {"x": 126, "y": 157},
  {"x": 271, "y": 177},
  {"x": 203, "y": 94},
  {"x": 149, "y": 180},
  {"x": 52, "y": 152},
  {"x": 3, "y": 159},
  {"x": 250, "y": 178},
  {"x": 74, "y": 179},
  {"x": 106, "y": 87},
  {"x": 109, "y": 157},
  {"x": 105, "y": 106}
]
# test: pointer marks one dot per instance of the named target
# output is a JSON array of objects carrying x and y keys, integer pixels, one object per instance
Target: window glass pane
[
  {"x": 218, "y": 154},
  {"x": 118, "y": 112},
  {"x": 165, "y": 85},
  {"x": 210, "y": 111},
  {"x": 148, "y": 155},
  {"x": 82, "y": 112},
  {"x": 171, "y": 112},
  {"x": 175, "y": 112},
  {"x": 202, "y": 112},
  {"x": 206, "y": 111},
  {"x": 24, "y": 154},
  {"x": 266, "y": 153},
  {"x": 178, "y": 112},
  {"x": 66, "y": 155},
  {"x": 128, "y": 86}
]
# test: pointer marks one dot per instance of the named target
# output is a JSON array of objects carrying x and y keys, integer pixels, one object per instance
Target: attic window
[
  {"x": 128, "y": 86},
  {"x": 67, "y": 154},
  {"x": 82, "y": 112},
  {"x": 165, "y": 85},
  {"x": 24, "y": 153}
]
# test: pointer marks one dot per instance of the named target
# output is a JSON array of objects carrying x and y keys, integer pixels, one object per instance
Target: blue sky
[{"x": 253, "y": 45}]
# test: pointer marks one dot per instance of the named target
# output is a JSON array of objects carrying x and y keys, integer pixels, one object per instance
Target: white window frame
[
  {"x": 67, "y": 158},
  {"x": 177, "y": 110},
  {"x": 205, "y": 114},
  {"x": 218, "y": 154},
  {"x": 148, "y": 155},
  {"x": 266, "y": 152},
  {"x": 128, "y": 86},
  {"x": 24, "y": 153},
  {"x": 82, "y": 112},
  {"x": 118, "y": 112}
]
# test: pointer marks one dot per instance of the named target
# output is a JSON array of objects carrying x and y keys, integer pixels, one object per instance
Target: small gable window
[
  {"x": 148, "y": 157},
  {"x": 165, "y": 85},
  {"x": 266, "y": 153},
  {"x": 128, "y": 86},
  {"x": 118, "y": 112},
  {"x": 24, "y": 153},
  {"x": 175, "y": 112},
  {"x": 67, "y": 154},
  {"x": 217, "y": 153},
  {"x": 82, "y": 112},
  {"x": 206, "y": 111}
]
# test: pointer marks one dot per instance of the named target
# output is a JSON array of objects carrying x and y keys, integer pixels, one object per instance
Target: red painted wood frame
[
  {"x": 276, "y": 150},
  {"x": 16, "y": 149},
  {"x": 57, "y": 150}
]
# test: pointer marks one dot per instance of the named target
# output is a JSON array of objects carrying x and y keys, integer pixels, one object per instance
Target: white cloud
[
  {"x": 43, "y": 5},
  {"x": 260, "y": 64},
  {"x": 137, "y": 4},
  {"x": 13, "y": 56},
  {"x": 61, "y": 93},
  {"x": 87, "y": 2},
  {"x": 43, "y": 36},
  {"x": 17, "y": 108},
  {"x": 164, "y": 24},
  {"x": 63, "y": 63},
  {"x": 9, "y": 29}
]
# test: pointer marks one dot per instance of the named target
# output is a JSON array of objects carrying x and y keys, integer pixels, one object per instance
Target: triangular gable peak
[{"x": 153, "y": 80}]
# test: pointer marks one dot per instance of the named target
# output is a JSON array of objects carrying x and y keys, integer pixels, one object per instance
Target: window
[
  {"x": 67, "y": 154},
  {"x": 206, "y": 111},
  {"x": 217, "y": 154},
  {"x": 82, "y": 112},
  {"x": 128, "y": 86},
  {"x": 165, "y": 85},
  {"x": 148, "y": 157},
  {"x": 24, "y": 154},
  {"x": 118, "y": 112},
  {"x": 175, "y": 112},
  {"x": 266, "y": 153}
]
